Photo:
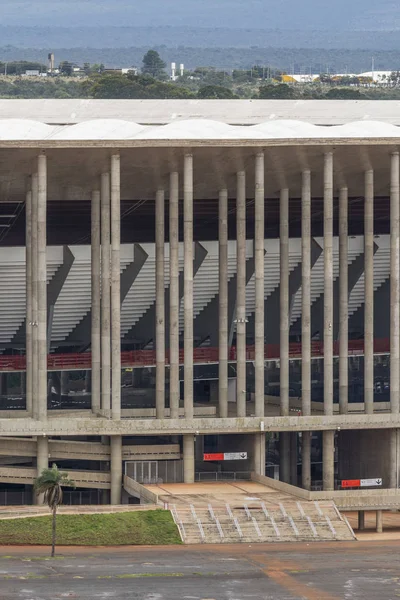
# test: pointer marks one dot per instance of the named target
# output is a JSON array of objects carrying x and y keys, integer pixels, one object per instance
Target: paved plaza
[{"x": 320, "y": 571}]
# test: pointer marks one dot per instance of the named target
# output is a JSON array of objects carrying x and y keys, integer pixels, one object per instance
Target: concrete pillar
[
  {"x": 343, "y": 302},
  {"x": 241, "y": 294},
  {"x": 361, "y": 520},
  {"x": 188, "y": 284},
  {"x": 379, "y": 521},
  {"x": 328, "y": 283},
  {"x": 28, "y": 283},
  {"x": 394, "y": 284},
  {"x": 284, "y": 299},
  {"x": 115, "y": 286},
  {"x": 306, "y": 459},
  {"x": 34, "y": 266},
  {"x": 328, "y": 460},
  {"x": 259, "y": 453},
  {"x": 96, "y": 303},
  {"x": 259, "y": 285},
  {"x": 284, "y": 438},
  {"x": 42, "y": 287},
  {"x": 223, "y": 329},
  {"x": 174, "y": 385},
  {"x": 293, "y": 458},
  {"x": 306, "y": 296},
  {"x": 188, "y": 458},
  {"x": 116, "y": 468},
  {"x": 284, "y": 456},
  {"x": 42, "y": 461},
  {"x": 160, "y": 306},
  {"x": 105, "y": 296},
  {"x": 369, "y": 293},
  {"x": 306, "y": 324},
  {"x": 393, "y": 459}
]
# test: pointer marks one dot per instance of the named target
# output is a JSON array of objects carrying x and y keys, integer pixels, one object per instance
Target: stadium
[{"x": 198, "y": 291}]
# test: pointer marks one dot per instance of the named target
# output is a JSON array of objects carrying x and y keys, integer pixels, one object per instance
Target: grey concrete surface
[{"x": 264, "y": 572}]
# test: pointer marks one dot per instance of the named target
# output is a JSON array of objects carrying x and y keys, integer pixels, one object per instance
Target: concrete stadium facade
[{"x": 262, "y": 259}]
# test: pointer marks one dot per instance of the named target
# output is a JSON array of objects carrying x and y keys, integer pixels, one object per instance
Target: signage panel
[
  {"x": 214, "y": 456},
  {"x": 235, "y": 456},
  {"x": 350, "y": 483},
  {"x": 377, "y": 481},
  {"x": 225, "y": 456}
]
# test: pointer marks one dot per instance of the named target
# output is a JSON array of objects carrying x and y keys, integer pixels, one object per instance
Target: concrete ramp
[{"x": 249, "y": 512}]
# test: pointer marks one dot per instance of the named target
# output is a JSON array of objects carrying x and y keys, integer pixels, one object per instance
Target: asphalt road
[{"x": 318, "y": 571}]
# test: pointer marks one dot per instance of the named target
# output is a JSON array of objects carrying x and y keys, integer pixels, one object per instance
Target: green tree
[
  {"x": 216, "y": 91},
  {"x": 50, "y": 483},
  {"x": 281, "y": 91},
  {"x": 153, "y": 64},
  {"x": 344, "y": 93}
]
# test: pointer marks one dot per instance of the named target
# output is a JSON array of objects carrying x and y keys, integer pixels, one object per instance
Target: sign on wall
[
  {"x": 352, "y": 483},
  {"x": 225, "y": 456}
]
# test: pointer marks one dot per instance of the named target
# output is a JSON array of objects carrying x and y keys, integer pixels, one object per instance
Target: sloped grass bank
[{"x": 136, "y": 528}]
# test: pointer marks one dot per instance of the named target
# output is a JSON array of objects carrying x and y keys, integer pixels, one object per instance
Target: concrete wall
[{"x": 364, "y": 454}]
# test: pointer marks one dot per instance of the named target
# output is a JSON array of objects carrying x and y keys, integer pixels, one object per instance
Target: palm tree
[{"x": 50, "y": 483}]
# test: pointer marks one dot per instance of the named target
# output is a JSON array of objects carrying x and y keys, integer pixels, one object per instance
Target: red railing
[{"x": 145, "y": 358}]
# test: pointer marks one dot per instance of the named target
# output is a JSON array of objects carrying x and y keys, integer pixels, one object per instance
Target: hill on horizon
[{"x": 308, "y": 15}]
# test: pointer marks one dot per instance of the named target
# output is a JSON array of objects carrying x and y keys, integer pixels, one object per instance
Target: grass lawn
[{"x": 142, "y": 527}]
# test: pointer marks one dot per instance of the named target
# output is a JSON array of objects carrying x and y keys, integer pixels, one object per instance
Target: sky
[{"x": 268, "y": 14}]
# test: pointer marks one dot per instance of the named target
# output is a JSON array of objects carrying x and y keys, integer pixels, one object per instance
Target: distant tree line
[{"x": 153, "y": 82}]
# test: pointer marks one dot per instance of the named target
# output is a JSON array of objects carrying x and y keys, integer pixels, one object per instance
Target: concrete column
[
  {"x": 284, "y": 438},
  {"x": 284, "y": 457},
  {"x": 259, "y": 285},
  {"x": 293, "y": 458},
  {"x": 259, "y": 453},
  {"x": 306, "y": 295},
  {"x": 42, "y": 461},
  {"x": 306, "y": 459},
  {"x": 379, "y": 521},
  {"x": 115, "y": 286},
  {"x": 369, "y": 293},
  {"x": 42, "y": 287},
  {"x": 188, "y": 284},
  {"x": 34, "y": 266},
  {"x": 361, "y": 520},
  {"x": 105, "y": 296},
  {"x": 241, "y": 294},
  {"x": 284, "y": 299},
  {"x": 343, "y": 302},
  {"x": 328, "y": 460},
  {"x": 188, "y": 458},
  {"x": 394, "y": 284},
  {"x": 116, "y": 468},
  {"x": 306, "y": 324},
  {"x": 223, "y": 329},
  {"x": 160, "y": 306},
  {"x": 28, "y": 282},
  {"x": 96, "y": 304},
  {"x": 393, "y": 461},
  {"x": 174, "y": 385},
  {"x": 328, "y": 283}
]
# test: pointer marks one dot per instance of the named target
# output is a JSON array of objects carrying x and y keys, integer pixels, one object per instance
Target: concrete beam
[{"x": 80, "y": 425}]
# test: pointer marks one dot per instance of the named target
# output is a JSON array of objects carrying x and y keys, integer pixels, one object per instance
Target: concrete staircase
[{"x": 254, "y": 522}]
